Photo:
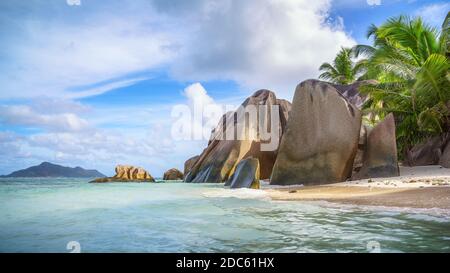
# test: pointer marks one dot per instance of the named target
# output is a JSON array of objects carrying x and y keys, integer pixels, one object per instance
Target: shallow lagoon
[{"x": 44, "y": 215}]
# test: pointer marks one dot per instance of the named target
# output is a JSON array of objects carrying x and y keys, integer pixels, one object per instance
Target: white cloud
[
  {"x": 101, "y": 142},
  {"x": 24, "y": 115},
  {"x": 11, "y": 143},
  {"x": 197, "y": 95},
  {"x": 48, "y": 105},
  {"x": 373, "y": 2},
  {"x": 101, "y": 149},
  {"x": 73, "y": 2},
  {"x": 132, "y": 135},
  {"x": 196, "y": 119},
  {"x": 98, "y": 148},
  {"x": 94, "y": 91},
  {"x": 54, "y": 56},
  {"x": 434, "y": 13},
  {"x": 259, "y": 44}
]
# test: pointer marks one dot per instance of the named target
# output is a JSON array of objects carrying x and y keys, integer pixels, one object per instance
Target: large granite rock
[
  {"x": 321, "y": 138},
  {"x": 127, "y": 173},
  {"x": 189, "y": 164},
  {"x": 380, "y": 154},
  {"x": 428, "y": 152},
  {"x": 246, "y": 175},
  {"x": 173, "y": 174},
  {"x": 352, "y": 92},
  {"x": 218, "y": 161}
]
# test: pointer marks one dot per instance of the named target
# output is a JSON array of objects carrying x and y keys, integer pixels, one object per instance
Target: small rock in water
[
  {"x": 292, "y": 191},
  {"x": 173, "y": 174},
  {"x": 127, "y": 173}
]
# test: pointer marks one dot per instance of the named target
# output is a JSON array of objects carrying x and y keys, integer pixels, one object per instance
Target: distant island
[{"x": 47, "y": 169}]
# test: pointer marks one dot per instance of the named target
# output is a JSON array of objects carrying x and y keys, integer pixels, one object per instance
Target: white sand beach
[{"x": 416, "y": 187}]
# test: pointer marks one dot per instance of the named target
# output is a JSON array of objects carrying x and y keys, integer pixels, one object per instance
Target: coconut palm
[
  {"x": 343, "y": 70},
  {"x": 410, "y": 60}
]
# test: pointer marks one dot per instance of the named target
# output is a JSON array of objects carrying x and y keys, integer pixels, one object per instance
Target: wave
[
  {"x": 236, "y": 193},
  {"x": 439, "y": 213}
]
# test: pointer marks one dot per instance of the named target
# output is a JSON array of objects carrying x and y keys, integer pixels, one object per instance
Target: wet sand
[
  {"x": 417, "y": 187},
  {"x": 431, "y": 197}
]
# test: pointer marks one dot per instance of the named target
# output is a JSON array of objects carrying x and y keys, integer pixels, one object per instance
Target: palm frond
[{"x": 410, "y": 61}]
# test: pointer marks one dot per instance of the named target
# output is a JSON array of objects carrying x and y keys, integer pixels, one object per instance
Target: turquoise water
[{"x": 43, "y": 215}]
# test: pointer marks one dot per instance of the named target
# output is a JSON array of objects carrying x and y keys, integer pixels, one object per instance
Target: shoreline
[{"x": 424, "y": 187}]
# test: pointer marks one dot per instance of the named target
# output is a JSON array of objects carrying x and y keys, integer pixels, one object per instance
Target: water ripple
[{"x": 43, "y": 215}]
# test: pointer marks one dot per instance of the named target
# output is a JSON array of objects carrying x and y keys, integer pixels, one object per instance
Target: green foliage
[
  {"x": 410, "y": 60},
  {"x": 343, "y": 70}
]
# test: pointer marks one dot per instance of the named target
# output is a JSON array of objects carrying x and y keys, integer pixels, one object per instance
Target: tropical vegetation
[
  {"x": 343, "y": 70},
  {"x": 410, "y": 61}
]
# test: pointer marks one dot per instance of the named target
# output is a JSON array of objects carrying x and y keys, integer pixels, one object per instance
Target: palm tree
[
  {"x": 410, "y": 59},
  {"x": 343, "y": 70}
]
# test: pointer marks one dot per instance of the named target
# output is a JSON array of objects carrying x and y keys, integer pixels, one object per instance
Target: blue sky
[{"x": 92, "y": 83}]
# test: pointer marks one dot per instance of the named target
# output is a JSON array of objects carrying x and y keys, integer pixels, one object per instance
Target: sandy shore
[{"x": 417, "y": 187}]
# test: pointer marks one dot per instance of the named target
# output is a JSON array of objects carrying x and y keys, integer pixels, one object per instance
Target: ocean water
[{"x": 44, "y": 215}]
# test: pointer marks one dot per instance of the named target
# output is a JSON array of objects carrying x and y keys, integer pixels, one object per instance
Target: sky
[{"x": 93, "y": 83}]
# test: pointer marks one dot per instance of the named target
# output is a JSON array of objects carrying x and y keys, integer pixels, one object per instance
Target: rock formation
[
  {"x": 189, "y": 164},
  {"x": 173, "y": 174},
  {"x": 351, "y": 92},
  {"x": 428, "y": 152},
  {"x": 321, "y": 137},
  {"x": 433, "y": 150},
  {"x": 380, "y": 153},
  {"x": 127, "y": 173},
  {"x": 246, "y": 175},
  {"x": 218, "y": 161}
]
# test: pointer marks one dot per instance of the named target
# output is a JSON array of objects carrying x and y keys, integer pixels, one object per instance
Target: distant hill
[{"x": 46, "y": 169}]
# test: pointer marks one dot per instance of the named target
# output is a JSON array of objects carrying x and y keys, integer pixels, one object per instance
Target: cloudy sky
[{"x": 92, "y": 83}]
